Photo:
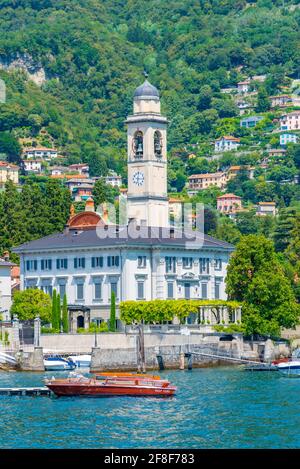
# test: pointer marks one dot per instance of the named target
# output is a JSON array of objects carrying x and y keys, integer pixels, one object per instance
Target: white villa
[
  {"x": 141, "y": 258},
  {"x": 227, "y": 143}
]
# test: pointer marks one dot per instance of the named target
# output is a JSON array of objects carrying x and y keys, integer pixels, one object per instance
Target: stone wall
[{"x": 171, "y": 355}]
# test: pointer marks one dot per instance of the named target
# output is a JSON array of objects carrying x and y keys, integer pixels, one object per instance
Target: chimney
[
  {"x": 6, "y": 256},
  {"x": 89, "y": 205}
]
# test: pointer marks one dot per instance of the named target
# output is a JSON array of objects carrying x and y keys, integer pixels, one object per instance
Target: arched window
[
  {"x": 137, "y": 144},
  {"x": 157, "y": 143}
]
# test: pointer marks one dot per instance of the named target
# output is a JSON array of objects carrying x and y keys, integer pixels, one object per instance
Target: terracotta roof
[
  {"x": 247, "y": 82},
  {"x": 266, "y": 203},
  {"x": 229, "y": 137},
  {"x": 4, "y": 164},
  {"x": 229, "y": 196},
  {"x": 39, "y": 149},
  {"x": 172, "y": 200},
  {"x": 206, "y": 175},
  {"x": 280, "y": 96}
]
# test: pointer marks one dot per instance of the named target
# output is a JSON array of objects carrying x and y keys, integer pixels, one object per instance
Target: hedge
[{"x": 156, "y": 311}]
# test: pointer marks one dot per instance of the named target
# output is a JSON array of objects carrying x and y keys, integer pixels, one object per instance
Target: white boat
[
  {"x": 81, "y": 361},
  {"x": 57, "y": 363},
  {"x": 291, "y": 368}
]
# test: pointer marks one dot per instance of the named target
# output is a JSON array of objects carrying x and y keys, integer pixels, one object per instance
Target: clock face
[{"x": 138, "y": 178}]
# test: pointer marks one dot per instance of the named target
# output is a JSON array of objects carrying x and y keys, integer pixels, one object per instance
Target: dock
[{"x": 37, "y": 391}]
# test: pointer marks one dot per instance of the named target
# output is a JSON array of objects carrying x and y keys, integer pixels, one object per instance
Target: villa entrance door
[
  {"x": 187, "y": 291},
  {"x": 80, "y": 322}
]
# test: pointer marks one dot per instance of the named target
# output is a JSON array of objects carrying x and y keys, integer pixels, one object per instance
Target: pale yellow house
[{"x": 8, "y": 171}]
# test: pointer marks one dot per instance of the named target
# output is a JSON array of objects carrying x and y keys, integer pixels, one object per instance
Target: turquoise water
[{"x": 214, "y": 408}]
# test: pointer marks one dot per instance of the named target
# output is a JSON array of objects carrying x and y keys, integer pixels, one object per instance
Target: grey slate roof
[
  {"x": 124, "y": 236},
  {"x": 146, "y": 89},
  {"x": 6, "y": 264}
]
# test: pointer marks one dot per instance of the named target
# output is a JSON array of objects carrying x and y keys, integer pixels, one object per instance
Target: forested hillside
[{"x": 93, "y": 52}]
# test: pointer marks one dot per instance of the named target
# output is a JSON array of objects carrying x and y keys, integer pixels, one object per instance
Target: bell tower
[{"x": 147, "y": 200}]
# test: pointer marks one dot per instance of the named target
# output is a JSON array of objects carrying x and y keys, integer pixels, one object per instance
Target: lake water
[{"x": 222, "y": 407}]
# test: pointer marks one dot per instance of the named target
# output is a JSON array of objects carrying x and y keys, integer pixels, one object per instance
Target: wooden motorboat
[{"x": 111, "y": 386}]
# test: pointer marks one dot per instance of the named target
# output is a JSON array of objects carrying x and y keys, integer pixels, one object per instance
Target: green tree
[
  {"x": 112, "y": 318},
  {"x": 256, "y": 278},
  {"x": 30, "y": 303},
  {"x": 58, "y": 313},
  {"x": 103, "y": 192},
  {"x": 65, "y": 319},
  {"x": 285, "y": 225},
  {"x": 53, "y": 311},
  {"x": 263, "y": 102}
]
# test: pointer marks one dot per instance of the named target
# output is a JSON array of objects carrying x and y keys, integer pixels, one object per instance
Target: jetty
[{"x": 36, "y": 391}]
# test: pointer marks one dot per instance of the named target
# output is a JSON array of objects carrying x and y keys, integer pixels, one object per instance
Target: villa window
[
  {"x": 97, "y": 261},
  {"x": 79, "y": 291},
  {"x": 217, "y": 290},
  {"x": 46, "y": 264},
  {"x": 141, "y": 261},
  {"x": 97, "y": 289},
  {"x": 204, "y": 265},
  {"x": 204, "y": 291},
  {"x": 218, "y": 264},
  {"x": 187, "y": 262},
  {"x": 114, "y": 288},
  {"x": 170, "y": 264},
  {"x": 113, "y": 261},
  {"x": 79, "y": 262},
  {"x": 140, "y": 290},
  {"x": 31, "y": 265},
  {"x": 170, "y": 289},
  {"x": 47, "y": 288},
  {"x": 61, "y": 264}
]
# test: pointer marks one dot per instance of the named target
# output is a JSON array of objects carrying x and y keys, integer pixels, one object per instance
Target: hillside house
[
  {"x": 243, "y": 86},
  {"x": 288, "y": 138},
  {"x": 32, "y": 166},
  {"x": 40, "y": 152},
  {"x": 227, "y": 143},
  {"x": 203, "y": 181},
  {"x": 282, "y": 100},
  {"x": 249, "y": 122},
  {"x": 80, "y": 168},
  {"x": 8, "y": 171},
  {"x": 229, "y": 203},
  {"x": 113, "y": 180},
  {"x": 266, "y": 208},
  {"x": 234, "y": 170},
  {"x": 276, "y": 152},
  {"x": 290, "y": 121}
]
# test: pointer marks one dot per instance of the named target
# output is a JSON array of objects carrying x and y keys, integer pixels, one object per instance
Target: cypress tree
[
  {"x": 58, "y": 313},
  {"x": 112, "y": 319},
  {"x": 65, "y": 320},
  {"x": 53, "y": 312}
]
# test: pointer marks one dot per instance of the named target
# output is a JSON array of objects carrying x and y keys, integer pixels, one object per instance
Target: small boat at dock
[
  {"x": 57, "y": 363},
  {"x": 290, "y": 366},
  {"x": 111, "y": 385},
  {"x": 81, "y": 361}
]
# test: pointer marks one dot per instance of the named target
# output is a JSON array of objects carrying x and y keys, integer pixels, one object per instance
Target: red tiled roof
[{"x": 228, "y": 196}]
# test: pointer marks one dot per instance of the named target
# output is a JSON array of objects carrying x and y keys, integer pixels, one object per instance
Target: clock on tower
[{"x": 147, "y": 199}]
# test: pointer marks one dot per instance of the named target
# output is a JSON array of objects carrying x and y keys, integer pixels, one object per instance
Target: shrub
[{"x": 49, "y": 330}]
